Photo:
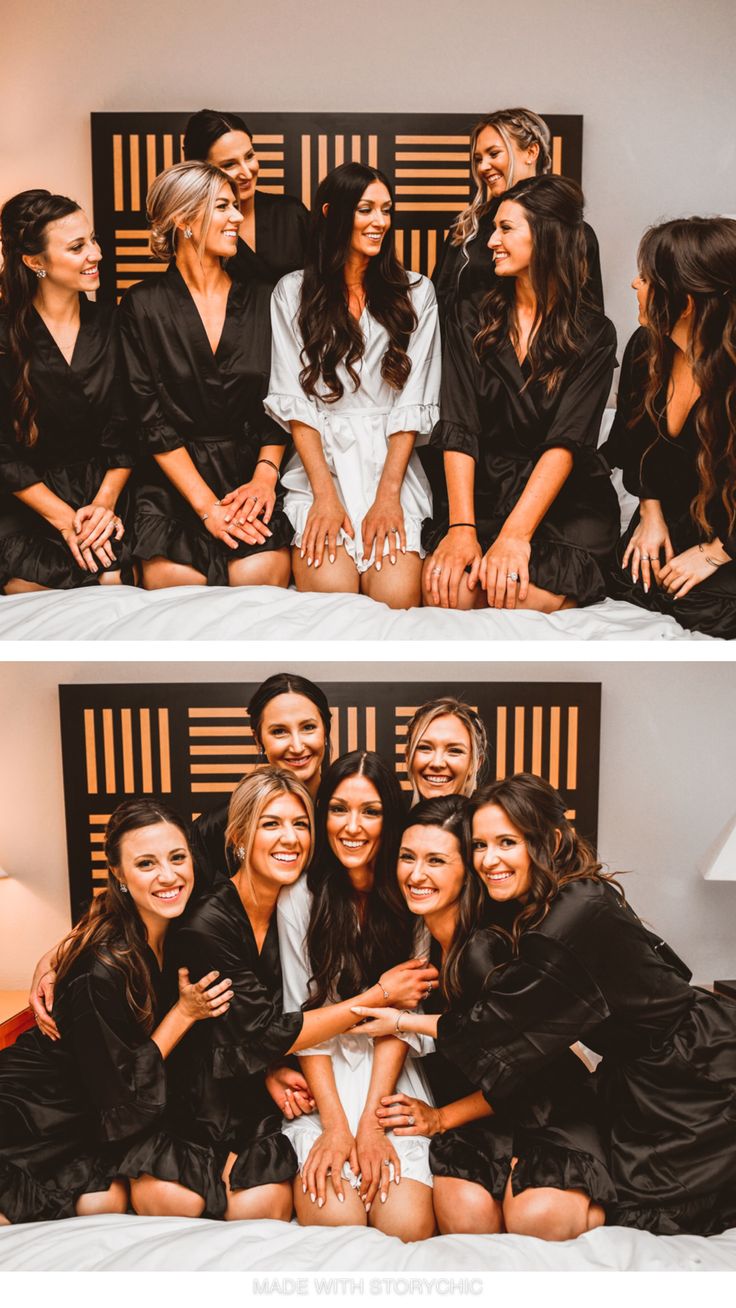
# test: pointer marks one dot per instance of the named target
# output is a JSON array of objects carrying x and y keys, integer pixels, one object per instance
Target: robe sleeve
[
  {"x": 286, "y": 401},
  {"x": 577, "y": 421},
  {"x": 118, "y": 439},
  {"x": 529, "y": 1015},
  {"x": 158, "y": 435},
  {"x": 293, "y": 920},
  {"x": 416, "y": 407},
  {"x": 627, "y": 441},
  {"x": 122, "y": 1072},
  {"x": 459, "y": 425},
  {"x": 207, "y": 843},
  {"x": 255, "y": 1031}
]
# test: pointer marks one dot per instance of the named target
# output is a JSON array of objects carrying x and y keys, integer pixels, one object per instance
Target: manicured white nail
[
  {"x": 320, "y": 1202},
  {"x": 341, "y": 1198}
]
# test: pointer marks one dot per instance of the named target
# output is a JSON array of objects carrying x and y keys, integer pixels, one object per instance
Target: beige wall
[
  {"x": 654, "y": 81},
  {"x": 667, "y": 786}
]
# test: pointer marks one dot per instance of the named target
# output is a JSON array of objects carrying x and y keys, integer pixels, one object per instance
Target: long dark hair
[
  {"x": 347, "y": 954},
  {"x": 207, "y": 126},
  {"x": 289, "y": 683},
  {"x": 329, "y": 331},
  {"x": 557, "y": 853},
  {"x": 558, "y": 272},
  {"x": 112, "y": 928},
  {"x": 451, "y": 813},
  {"x": 696, "y": 258},
  {"x": 23, "y": 223}
]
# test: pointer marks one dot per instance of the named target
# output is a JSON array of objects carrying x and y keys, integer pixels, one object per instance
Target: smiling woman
[
  {"x": 197, "y": 349},
  {"x": 66, "y": 447},
  {"x": 446, "y": 748},
  {"x": 355, "y": 379}
]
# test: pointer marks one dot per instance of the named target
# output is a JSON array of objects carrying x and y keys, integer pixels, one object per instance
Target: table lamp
[{"x": 719, "y": 864}]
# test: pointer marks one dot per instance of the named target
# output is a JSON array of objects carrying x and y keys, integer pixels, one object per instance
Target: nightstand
[{"x": 15, "y": 1016}]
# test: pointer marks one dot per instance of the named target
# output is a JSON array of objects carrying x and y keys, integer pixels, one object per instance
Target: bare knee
[
  {"x": 16, "y": 586},
  {"x": 551, "y": 1214},
  {"x": 272, "y": 1202},
  {"x": 151, "y": 1197},
  {"x": 160, "y": 573},
  {"x": 110, "y": 579},
  {"x": 4, "y": 1221},
  {"x": 113, "y": 1200},
  {"x": 465, "y": 1208}
]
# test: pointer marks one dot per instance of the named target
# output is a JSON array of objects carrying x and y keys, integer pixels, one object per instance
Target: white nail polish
[{"x": 341, "y": 1198}]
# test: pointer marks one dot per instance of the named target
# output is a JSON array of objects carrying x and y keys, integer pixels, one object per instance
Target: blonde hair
[
  {"x": 454, "y": 708},
  {"x": 184, "y": 192},
  {"x": 516, "y": 127},
  {"x": 249, "y": 799}
]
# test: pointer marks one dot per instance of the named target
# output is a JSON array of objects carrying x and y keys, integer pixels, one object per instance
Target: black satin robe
[
  {"x": 71, "y": 1109},
  {"x": 214, "y": 861},
  {"x": 658, "y": 466},
  {"x": 666, "y": 1087},
  {"x": 490, "y": 411},
  {"x": 83, "y": 432},
  {"x": 457, "y": 281},
  {"x": 218, "y": 1103},
  {"x": 550, "y": 1127},
  {"x": 282, "y": 223},
  {"x": 209, "y": 404}
]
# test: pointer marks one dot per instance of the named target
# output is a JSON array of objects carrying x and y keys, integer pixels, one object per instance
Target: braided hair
[{"x": 24, "y": 220}]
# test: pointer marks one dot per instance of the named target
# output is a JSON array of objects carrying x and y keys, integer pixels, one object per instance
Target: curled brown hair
[
  {"x": 24, "y": 220},
  {"x": 558, "y": 271},
  {"x": 694, "y": 260},
  {"x": 557, "y": 853},
  {"x": 330, "y": 333},
  {"x": 112, "y": 928}
]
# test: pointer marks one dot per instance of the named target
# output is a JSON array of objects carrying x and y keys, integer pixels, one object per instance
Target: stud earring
[
  {"x": 123, "y": 888},
  {"x": 188, "y": 233},
  {"x": 240, "y": 851},
  {"x": 39, "y": 272}
]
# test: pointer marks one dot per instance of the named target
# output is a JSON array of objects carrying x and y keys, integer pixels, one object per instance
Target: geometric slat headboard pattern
[
  {"x": 426, "y": 157},
  {"x": 192, "y": 743}
]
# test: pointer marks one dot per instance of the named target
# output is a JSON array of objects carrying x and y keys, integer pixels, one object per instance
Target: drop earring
[
  {"x": 188, "y": 233},
  {"x": 240, "y": 851},
  {"x": 123, "y": 888}
]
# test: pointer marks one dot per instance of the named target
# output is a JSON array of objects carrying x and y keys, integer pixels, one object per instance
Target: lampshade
[{"x": 719, "y": 863}]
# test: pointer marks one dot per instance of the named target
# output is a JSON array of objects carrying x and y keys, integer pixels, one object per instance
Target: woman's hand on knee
[
  {"x": 445, "y": 569},
  {"x": 334, "y": 1147}
]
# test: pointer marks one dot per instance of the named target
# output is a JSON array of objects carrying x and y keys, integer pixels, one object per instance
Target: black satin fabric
[
  {"x": 215, "y": 862},
  {"x": 549, "y": 1127},
  {"x": 218, "y": 1103},
  {"x": 457, "y": 281},
  {"x": 666, "y": 1088},
  {"x": 209, "y": 404},
  {"x": 491, "y": 411},
  {"x": 657, "y": 466},
  {"x": 282, "y": 223},
  {"x": 70, "y": 1109},
  {"x": 83, "y": 432}
]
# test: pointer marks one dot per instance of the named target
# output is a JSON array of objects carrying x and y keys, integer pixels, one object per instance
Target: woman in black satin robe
[
  {"x": 221, "y": 1130},
  {"x": 532, "y": 518},
  {"x": 65, "y": 439},
  {"x": 505, "y": 147},
  {"x": 72, "y": 1107},
  {"x": 197, "y": 348},
  {"x": 550, "y": 1131},
  {"x": 672, "y": 433},
  {"x": 584, "y": 967},
  {"x": 273, "y": 237}
]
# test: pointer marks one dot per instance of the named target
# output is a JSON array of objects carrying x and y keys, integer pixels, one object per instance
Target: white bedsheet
[
  {"x": 261, "y": 613},
  {"x": 180, "y": 1244}
]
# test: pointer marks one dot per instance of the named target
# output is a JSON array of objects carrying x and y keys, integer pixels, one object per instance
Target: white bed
[
  {"x": 150, "y": 1244},
  {"x": 267, "y": 614}
]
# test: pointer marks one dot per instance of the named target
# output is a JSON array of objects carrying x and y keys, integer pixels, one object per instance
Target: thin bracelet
[
  {"x": 382, "y": 988},
  {"x": 403, "y": 1013},
  {"x": 714, "y": 563},
  {"x": 462, "y": 524},
  {"x": 270, "y": 464}
]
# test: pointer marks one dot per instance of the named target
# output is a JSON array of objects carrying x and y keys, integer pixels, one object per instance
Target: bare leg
[
  {"x": 466, "y": 599},
  {"x": 270, "y": 569},
  {"x": 333, "y": 1213},
  {"x": 340, "y": 577},
  {"x": 114, "y": 1200},
  {"x": 110, "y": 579},
  {"x": 152, "y": 1197},
  {"x": 4, "y": 1221},
  {"x": 465, "y": 1208},
  {"x": 272, "y": 1201},
  {"x": 18, "y": 587},
  {"x": 407, "y": 1212},
  {"x": 537, "y": 601},
  {"x": 551, "y": 1214},
  {"x": 398, "y": 584},
  {"x": 160, "y": 573}
]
